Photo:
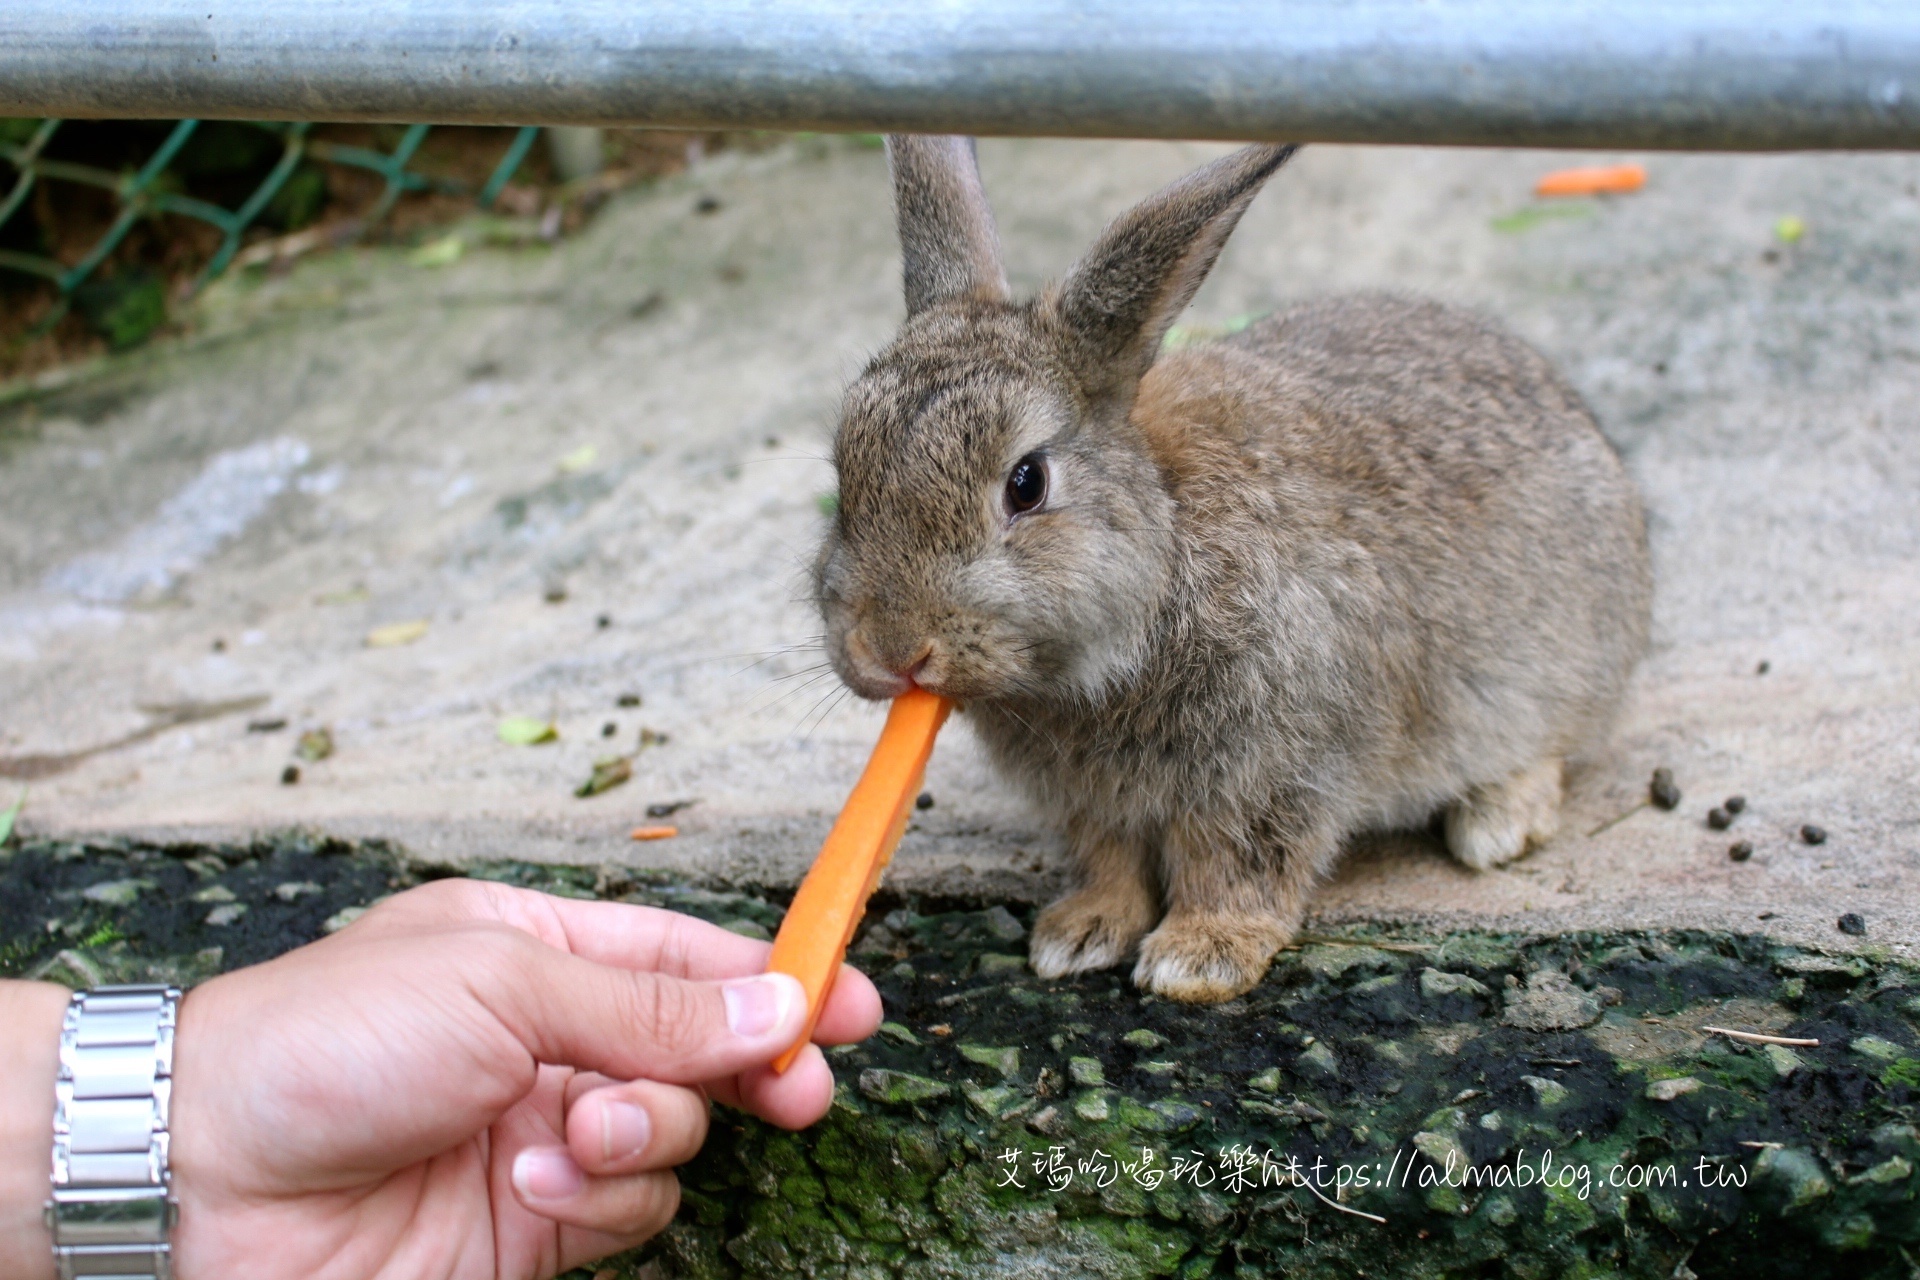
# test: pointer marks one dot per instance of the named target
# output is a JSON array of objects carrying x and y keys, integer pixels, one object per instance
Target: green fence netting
[{"x": 142, "y": 192}]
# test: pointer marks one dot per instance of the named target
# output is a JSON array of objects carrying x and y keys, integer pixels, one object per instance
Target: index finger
[
  {"x": 626, "y": 936},
  {"x": 690, "y": 948}
]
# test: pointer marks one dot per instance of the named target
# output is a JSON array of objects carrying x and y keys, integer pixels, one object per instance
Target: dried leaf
[
  {"x": 395, "y": 634},
  {"x": 314, "y": 744},
  {"x": 525, "y": 731},
  {"x": 667, "y": 808},
  {"x": 607, "y": 774}
]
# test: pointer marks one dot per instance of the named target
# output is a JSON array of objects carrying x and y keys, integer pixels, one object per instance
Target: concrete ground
[{"x": 635, "y": 421}]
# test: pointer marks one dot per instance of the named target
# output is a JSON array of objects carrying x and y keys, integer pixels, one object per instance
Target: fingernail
[
  {"x": 756, "y": 1006},
  {"x": 624, "y": 1130},
  {"x": 547, "y": 1173}
]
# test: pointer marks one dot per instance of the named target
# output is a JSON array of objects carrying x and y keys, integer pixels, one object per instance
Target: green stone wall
[{"x": 1385, "y": 1104}]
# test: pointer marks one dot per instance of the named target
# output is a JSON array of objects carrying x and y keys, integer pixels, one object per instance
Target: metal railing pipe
[{"x": 1718, "y": 74}]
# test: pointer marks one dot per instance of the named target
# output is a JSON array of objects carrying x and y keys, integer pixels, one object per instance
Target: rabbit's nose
[
  {"x": 881, "y": 675},
  {"x": 912, "y": 673},
  {"x": 907, "y": 670}
]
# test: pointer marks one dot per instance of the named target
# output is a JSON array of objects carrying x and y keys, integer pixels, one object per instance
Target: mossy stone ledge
[{"x": 1387, "y": 1103}]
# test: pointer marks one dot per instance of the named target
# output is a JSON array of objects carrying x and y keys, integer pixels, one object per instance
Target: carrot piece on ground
[
  {"x": 1613, "y": 179},
  {"x": 654, "y": 833},
  {"x": 829, "y": 903}
]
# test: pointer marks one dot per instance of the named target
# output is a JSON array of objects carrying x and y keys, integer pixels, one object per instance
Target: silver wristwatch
[{"x": 112, "y": 1212}]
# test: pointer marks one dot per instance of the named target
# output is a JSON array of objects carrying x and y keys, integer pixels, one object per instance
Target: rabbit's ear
[
  {"x": 1119, "y": 299},
  {"x": 946, "y": 226}
]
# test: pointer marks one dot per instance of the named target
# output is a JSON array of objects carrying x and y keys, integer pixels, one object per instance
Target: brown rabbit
[{"x": 1219, "y": 609}]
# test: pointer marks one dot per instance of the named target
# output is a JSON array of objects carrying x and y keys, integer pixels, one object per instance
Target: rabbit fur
[{"x": 1366, "y": 561}]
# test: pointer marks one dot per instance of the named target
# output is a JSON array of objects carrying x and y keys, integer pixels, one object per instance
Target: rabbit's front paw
[
  {"x": 1095, "y": 928},
  {"x": 1204, "y": 959},
  {"x": 1494, "y": 824}
]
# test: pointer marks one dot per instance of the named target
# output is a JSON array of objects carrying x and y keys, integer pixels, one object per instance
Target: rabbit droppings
[{"x": 1217, "y": 609}]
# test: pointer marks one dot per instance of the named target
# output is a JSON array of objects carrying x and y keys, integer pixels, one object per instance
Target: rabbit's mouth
[{"x": 881, "y": 662}]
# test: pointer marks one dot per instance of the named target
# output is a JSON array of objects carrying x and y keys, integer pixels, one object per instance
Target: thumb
[{"x": 632, "y": 1024}]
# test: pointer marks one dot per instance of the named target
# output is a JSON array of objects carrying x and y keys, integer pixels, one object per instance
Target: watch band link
[{"x": 111, "y": 1212}]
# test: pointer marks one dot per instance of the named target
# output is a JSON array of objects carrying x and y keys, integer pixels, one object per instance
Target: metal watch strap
[{"x": 111, "y": 1211}]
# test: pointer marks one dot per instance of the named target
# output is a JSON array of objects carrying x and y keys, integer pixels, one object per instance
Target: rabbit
[{"x": 1217, "y": 609}]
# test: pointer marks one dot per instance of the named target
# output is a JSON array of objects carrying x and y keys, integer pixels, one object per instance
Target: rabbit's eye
[{"x": 1027, "y": 484}]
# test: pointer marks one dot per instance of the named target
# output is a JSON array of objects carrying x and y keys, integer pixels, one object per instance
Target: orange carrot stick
[
  {"x": 830, "y": 901},
  {"x": 1613, "y": 179}
]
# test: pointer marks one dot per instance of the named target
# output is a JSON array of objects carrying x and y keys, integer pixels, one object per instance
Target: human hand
[{"x": 475, "y": 1081}]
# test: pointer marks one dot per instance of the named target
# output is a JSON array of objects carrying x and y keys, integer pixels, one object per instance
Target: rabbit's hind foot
[{"x": 1499, "y": 821}]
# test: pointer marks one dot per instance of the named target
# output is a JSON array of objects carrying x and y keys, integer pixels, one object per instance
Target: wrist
[{"x": 32, "y": 1013}]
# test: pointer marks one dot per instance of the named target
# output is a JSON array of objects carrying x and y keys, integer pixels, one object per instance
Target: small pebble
[
  {"x": 1734, "y": 804},
  {"x": 707, "y": 205},
  {"x": 1763, "y": 668},
  {"x": 627, "y": 700},
  {"x": 274, "y": 725},
  {"x": 1719, "y": 819},
  {"x": 1853, "y": 925},
  {"x": 290, "y": 775},
  {"x": 1740, "y": 850},
  {"x": 924, "y": 801},
  {"x": 1662, "y": 791},
  {"x": 608, "y": 729},
  {"x": 555, "y": 594},
  {"x": 1813, "y": 835},
  {"x": 219, "y": 646},
  {"x": 604, "y": 621}
]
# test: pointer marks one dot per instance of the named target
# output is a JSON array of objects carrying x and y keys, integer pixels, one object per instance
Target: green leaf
[
  {"x": 579, "y": 460},
  {"x": 829, "y": 504},
  {"x": 443, "y": 252},
  {"x": 8, "y": 815},
  {"x": 525, "y": 731},
  {"x": 1529, "y": 218}
]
